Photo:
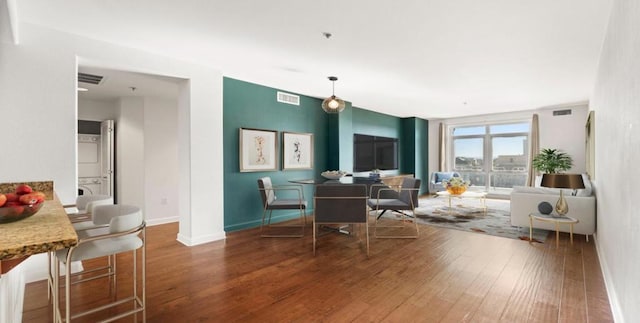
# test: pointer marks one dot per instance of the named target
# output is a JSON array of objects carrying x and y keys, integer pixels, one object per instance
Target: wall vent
[
  {"x": 565, "y": 112},
  {"x": 89, "y": 78},
  {"x": 288, "y": 98}
]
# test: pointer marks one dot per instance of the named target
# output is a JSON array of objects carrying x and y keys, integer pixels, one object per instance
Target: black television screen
[{"x": 374, "y": 152}]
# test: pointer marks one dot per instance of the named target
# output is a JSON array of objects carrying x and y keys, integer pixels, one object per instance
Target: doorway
[{"x": 143, "y": 109}]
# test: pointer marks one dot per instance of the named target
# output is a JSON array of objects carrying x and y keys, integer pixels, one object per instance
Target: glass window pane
[
  {"x": 465, "y": 131},
  {"x": 509, "y": 153},
  {"x": 478, "y": 180},
  {"x": 509, "y": 128},
  {"x": 508, "y": 180},
  {"x": 468, "y": 154}
]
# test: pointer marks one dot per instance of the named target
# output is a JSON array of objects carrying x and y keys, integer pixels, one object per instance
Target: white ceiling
[
  {"x": 429, "y": 58},
  {"x": 116, "y": 84}
]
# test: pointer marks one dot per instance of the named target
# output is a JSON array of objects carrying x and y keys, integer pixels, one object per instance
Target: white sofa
[{"x": 525, "y": 200}]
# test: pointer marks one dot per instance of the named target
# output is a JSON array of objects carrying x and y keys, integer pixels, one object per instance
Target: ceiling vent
[
  {"x": 89, "y": 78},
  {"x": 288, "y": 98},
  {"x": 565, "y": 112}
]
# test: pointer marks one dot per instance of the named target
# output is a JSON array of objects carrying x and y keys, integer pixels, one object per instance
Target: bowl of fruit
[
  {"x": 333, "y": 174},
  {"x": 21, "y": 204}
]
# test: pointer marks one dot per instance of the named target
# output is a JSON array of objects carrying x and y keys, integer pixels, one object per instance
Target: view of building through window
[{"x": 492, "y": 156}]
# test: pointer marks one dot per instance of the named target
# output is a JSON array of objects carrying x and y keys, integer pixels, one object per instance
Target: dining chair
[
  {"x": 271, "y": 202},
  {"x": 124, "y": 233},
  {"x": 399, "y": 200},
  {"x": 340, "y": 204}
]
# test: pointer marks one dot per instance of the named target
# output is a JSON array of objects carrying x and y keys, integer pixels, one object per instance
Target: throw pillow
[
  {"x": 545, "y": 208},
  {"x": 588, "y": 189},
  {"x": 443, "y": 176}
]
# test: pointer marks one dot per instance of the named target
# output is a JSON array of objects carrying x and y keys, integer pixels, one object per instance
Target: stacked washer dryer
[
  {"x": 96, "y": 157},
  {"x": 89, "y": 165}
]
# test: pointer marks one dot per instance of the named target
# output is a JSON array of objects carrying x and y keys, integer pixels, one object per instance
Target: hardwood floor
[{"x": 443, "y": 276}]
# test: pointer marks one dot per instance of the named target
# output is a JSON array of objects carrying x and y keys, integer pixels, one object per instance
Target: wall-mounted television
[{"x": 374, "y": 152}]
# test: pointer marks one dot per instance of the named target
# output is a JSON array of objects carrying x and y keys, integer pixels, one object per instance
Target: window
[{"x": 492, "y": 156}]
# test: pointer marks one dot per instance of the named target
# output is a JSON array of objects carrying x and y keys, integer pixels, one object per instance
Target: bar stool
[
  {"x": 82, "y": 220},
  {"x": 84, "y": 205},
  {"x": 124, "y": 233}
]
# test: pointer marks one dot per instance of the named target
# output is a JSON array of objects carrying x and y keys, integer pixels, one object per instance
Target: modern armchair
[
  {"x": 271, "y": 202},
  {"x": 340, "y": 204},
  {"x": 435, "y": 184},
  {"x": 405, "y": 199}
]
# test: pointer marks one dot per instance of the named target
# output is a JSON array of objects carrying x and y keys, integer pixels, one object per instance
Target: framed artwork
[
  {"x": 297, "y": 150},
  {"x": 258, "y": 150}
]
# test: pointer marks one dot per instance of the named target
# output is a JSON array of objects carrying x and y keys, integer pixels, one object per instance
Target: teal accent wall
[
  {"x": 376, "y": 124},
  {"x": 415, "y": 145},
  {"x": 248, "y": 105},
  {"x": 341, "y": 140}
]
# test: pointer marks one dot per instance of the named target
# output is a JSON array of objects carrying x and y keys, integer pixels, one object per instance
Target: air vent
[
  {"x": 89, "y": 78},
  {"x": 565, "y": 112},
  {"x": 288, "y": 98}
]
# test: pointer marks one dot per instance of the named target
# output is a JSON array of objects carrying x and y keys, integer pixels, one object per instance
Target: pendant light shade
[{"x": 333, "y": 104}]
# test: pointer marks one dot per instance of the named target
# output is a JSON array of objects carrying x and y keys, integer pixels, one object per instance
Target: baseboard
[
  {"x": 616, "y": 310},
  {"x": 274, "y": 219},
  {"x": 170, "y": 219},
  {"x": 190, "y": 242}
]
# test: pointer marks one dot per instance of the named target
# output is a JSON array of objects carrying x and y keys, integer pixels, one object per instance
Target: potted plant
[{"x": 552, "y": 161}]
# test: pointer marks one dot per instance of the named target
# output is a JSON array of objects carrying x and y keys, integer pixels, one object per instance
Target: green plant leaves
[{"x": 552, "y": 161}]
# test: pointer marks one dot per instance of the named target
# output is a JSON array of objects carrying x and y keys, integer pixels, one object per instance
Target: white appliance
[
  {"x": 96, "y": 161},
  {"x": 89, "y": 186}
]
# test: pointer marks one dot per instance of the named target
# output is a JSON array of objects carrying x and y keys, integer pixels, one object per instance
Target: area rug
[{"x": 468, "y": 215}]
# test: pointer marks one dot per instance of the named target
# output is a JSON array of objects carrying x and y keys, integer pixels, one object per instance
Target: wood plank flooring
[{"x": 443, "y": 276}]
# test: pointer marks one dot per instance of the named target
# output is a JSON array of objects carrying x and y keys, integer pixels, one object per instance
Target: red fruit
[
  {"x": 3, "y": 199},
  {"x": 16, "y": 210},
  {"x": 23, "y": 189},
  {"x": 12, "y": 203},
  {"x": 29, "y": 199},
  {"x": 11, "y": 197}
]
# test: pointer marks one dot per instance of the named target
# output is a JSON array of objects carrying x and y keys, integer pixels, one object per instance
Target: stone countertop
[{"x": 47, "y": 230}]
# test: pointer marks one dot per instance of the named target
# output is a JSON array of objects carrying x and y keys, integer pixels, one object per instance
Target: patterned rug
[{"x": 468, "y": 215}]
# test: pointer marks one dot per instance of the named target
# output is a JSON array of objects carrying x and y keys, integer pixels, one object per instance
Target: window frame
[{"x": 487, "y": 168}]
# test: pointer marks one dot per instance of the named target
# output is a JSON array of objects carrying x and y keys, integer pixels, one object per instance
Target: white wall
[
  {"x": 616, "y": 101},
  {"x": 161, "y": 166},
  {"x": 130, "y": 144},
  {"x": 96, "y": 110},
  {"x": 565, "y": 132}
]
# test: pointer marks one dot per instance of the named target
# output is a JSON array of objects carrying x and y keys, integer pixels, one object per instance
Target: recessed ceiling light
[{"x": 81, "y": 89}]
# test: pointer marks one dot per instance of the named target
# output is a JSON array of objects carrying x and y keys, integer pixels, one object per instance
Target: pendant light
[{"x": 333, "y": 104}]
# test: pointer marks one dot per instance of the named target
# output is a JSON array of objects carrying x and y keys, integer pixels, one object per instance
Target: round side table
[{"x": 555, "y": 219}]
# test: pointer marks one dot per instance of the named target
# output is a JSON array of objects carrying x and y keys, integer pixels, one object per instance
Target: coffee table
[{"x": 468, "y": 194}]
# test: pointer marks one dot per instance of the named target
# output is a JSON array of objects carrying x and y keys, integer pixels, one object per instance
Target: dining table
[{"x": 345, "y": 180}]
